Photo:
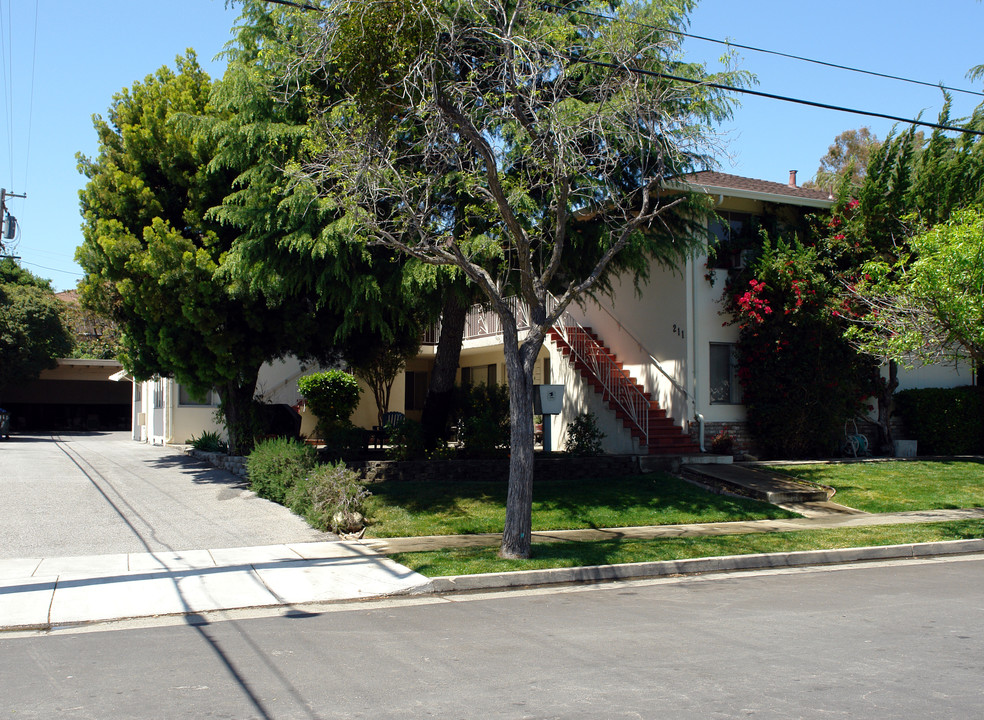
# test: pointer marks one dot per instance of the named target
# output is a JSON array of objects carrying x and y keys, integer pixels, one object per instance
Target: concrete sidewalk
[{"x": 42, "y": 594}]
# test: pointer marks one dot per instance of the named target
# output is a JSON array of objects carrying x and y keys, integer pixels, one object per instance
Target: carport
[{"x": 75, "y": 395}]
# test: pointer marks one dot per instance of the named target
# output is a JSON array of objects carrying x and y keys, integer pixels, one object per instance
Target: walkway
[
  {"x": 43, "y": 594},
  {"x": 389, "y": 546}
]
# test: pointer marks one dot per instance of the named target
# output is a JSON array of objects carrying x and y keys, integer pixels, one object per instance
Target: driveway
[{"x": 101, "y": 493}]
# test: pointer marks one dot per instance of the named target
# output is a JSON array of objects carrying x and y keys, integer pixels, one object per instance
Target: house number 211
[{"x": 678, "y": 330}]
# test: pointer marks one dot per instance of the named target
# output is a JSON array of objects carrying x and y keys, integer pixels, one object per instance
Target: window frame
[{"x": 734, "y": 389}]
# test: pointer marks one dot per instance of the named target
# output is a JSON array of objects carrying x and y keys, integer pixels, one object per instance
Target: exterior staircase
[{"x": 656, "y": 433}]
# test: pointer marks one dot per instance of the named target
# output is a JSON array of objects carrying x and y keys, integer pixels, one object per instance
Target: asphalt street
[
  {"x": 902, "y": 639},
  {"x": 102, "y": 493}
]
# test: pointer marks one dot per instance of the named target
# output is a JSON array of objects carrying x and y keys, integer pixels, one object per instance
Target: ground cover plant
[
  {"x": 411, "y": 508},
  {"x": 898, "y": 486},
  {"x": 468, "y": 561},
  {"x": 277, "y": 465},
  {"x": 330, "y": 497}
]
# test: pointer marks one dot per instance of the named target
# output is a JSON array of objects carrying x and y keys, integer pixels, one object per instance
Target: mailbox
[{"x": 548, "y": 399}]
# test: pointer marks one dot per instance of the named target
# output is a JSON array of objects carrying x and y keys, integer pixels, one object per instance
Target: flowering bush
[
  {"x": 801, "y": 379},
  {"x": 723, "y": 443}
]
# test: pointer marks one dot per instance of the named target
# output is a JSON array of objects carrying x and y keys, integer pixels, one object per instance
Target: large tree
[
  {"x": 929, "y": 306},
  {"x": 543, "y": 117},
  {"x": 32, "y": 335},
  {"x": 154, "y": 256},
  {"x": 846, "y": 159}
]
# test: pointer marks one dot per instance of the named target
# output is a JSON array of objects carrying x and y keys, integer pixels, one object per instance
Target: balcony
[{"x": 481, "y": 322}]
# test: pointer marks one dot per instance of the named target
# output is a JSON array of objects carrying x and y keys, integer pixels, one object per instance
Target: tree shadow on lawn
[
  {"x": 662, "y": 495},
  {"x": 594, "y": 502},
  {"x": 421, "y": 496}
]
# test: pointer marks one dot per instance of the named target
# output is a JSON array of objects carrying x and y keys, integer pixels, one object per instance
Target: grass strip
[
  {"x": 469, "y": 561},
  {"x": 412, "y": 509},
  {"x": 898, "y": 486}
]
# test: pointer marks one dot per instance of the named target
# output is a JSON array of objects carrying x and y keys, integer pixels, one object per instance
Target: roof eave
[{"x": 751, "y": 194}]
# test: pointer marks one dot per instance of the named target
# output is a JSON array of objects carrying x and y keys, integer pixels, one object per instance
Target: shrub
[
  {"x": 484, "y": 427},
  {"x": 332, "y": 395},
  {"x": 945, "y": 421},
  {"x": 406, "y": 440},
  {"x": 277, "y": 465},
  {"x": 583, "y": 436},
  {"x": 209, "y": 442},
  {"x": 330, "y": 497},
  {"x": 343, "y": 439}
]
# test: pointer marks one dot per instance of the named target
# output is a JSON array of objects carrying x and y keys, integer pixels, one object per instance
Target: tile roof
[{"x": 736, "y": 182}]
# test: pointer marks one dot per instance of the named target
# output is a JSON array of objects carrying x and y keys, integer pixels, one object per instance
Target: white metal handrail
[
  {"x": 659, "y": 366},
  {"x": 616, "y": 386},
  {"x": 481, "y": 322}
]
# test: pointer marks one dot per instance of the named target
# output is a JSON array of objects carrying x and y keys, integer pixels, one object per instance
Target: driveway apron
[{"x": 102, "y": 493}]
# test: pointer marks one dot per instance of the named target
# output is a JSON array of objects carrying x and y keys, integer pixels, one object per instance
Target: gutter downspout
[{"x": 693, "y": 349}]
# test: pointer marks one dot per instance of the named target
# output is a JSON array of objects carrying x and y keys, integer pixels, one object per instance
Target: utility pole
[{"x": 9, "y": 228}]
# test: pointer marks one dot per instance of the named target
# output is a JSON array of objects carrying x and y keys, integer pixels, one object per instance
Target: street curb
[{"x": 695, "y": 566}]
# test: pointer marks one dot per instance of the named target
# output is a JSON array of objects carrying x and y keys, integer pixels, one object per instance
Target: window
[
  {"x": 724, "y": 384},
  {"x": 185, "y": 397},
  {"x": 731, "y": 238},
  {"x": 158, "y": 399},
  {"x": 479, "y": 375},
  {"x": 416, "y": 393}
]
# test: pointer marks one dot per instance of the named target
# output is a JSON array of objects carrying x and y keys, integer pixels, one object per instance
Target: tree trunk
[
  {"x": 237, "y": 408},
  {"x": 886, "y": 406},
  {"x": 437, "y": 405},
  {"x": 520, "y": 359}
]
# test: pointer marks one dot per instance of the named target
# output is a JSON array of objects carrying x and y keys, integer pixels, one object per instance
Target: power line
[
  {"x": 790, "y": 56},
  {"x": 744, "y": 91},
  {"x": 30, "y": 111},
  {"x": 6, "y": 42},
  {"x": 66, "y": 272},
  {"x": 773, "y": 96}
]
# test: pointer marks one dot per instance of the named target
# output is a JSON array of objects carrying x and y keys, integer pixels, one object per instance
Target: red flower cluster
[{"x": 753, "y": 304}]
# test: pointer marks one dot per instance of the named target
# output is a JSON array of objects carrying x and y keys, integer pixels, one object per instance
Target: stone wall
[
  {"x": 496, "y": 470},
  {"x": 545, "y": 468},
  {"x": 236, "y": 464},
  {"x": 743, "y": 442}
]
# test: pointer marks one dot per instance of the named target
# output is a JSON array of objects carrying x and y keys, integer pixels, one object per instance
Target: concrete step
[{"x": 756, "y": 483}]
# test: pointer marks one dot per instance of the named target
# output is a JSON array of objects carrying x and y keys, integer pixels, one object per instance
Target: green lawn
[
  {"x": 404, "y": 509},
  {"x": 897, "y": 486},
  {"x": 467, "y": 561}
]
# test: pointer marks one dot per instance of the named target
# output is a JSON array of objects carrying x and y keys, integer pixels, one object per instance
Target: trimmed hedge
[{"x": 945, "y": 421}]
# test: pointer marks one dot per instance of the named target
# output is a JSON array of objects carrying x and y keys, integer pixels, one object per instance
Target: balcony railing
[{"x": 482, "y": 322}]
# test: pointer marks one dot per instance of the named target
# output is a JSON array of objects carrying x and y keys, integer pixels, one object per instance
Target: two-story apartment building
[{"x": 678, "y": 386}]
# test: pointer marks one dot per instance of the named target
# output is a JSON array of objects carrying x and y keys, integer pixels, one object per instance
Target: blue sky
[{"x": 87, "y": 51}]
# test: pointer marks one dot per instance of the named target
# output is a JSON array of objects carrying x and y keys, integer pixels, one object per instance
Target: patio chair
[{"x": 381, "y": 433}]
